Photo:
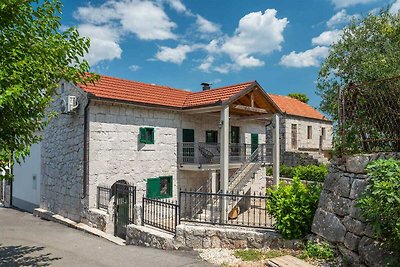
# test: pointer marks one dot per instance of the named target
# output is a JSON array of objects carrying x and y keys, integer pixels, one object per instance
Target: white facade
[
  {"x": 27, "y": 179},
  {"x": 307, "y": 134}
]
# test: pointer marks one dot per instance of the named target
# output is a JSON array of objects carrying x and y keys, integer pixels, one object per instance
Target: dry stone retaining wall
[{"x": 338, "y": 220}]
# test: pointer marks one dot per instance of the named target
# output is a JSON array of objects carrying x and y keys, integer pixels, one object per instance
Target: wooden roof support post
[
  {"x": 276, "y": 150},
  {"x": 224, "y": 160}
]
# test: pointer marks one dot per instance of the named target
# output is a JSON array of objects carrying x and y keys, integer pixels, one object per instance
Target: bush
[
  {"x": 380, "y": 203},
  {"x": 308, "y": 172},
  {"x": 293, "y": 207},
  {"x": 321, "y": 251},
  {"x": 311, "y": 172},
  {"x": 285, "y": 171}
]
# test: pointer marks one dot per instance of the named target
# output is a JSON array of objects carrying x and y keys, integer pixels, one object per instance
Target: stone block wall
[
  {"x": 338, "y": 220},
  {"x": 62, "y": 157}
]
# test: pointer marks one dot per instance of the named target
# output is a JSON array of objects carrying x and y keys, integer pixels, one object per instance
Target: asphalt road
[{"x": 29, "y": 241}]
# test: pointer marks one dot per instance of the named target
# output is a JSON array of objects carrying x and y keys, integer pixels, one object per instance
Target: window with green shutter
[
  {"x": 160, "y": 187},
  {"x": 146, "y": 135}
]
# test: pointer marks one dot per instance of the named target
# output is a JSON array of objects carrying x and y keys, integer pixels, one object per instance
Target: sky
[{"x": 183, "y": 43}]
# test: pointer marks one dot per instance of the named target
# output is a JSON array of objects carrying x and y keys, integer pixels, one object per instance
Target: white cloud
[
  {"x": 346, "y": 3},
  {"x": 103, "y": 43},
  {"x": 327, "y": 38},
  {"x": 146, "y": 19},
  {"x": 394, "y": 9},
  {"x": 257, "y": 33},
  {"x": 206, "y": 26},
  {"x": 309, "y": 58},
  {"x": 206, "y": 64},
  {"x": 340, "y": 18},
  {"x": 134, "y": 67},
  {"x": 226, "y": 68},
  {"x": 175, "y": 55},
  {"x": 177, "y": 5}
]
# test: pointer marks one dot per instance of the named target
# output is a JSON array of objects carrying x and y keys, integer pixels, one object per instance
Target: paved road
[{"x": 29, "y": 241}]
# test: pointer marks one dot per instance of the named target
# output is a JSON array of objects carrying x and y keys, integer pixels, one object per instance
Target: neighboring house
[
  {"x": 305, "y": 134},
  {"x": 157, "y": 138}
]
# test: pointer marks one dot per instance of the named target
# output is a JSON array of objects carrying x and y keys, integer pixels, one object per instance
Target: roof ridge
[
  {"x": 132, "y": 81},
  {"x": 226, "y": 86}
]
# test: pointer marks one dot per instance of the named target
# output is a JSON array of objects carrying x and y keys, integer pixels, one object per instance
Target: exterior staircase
[{"x": 241, "y": 181}]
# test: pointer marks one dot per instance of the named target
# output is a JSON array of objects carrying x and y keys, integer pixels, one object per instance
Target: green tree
[
  {"x": 302, "y": 97},
  {"x": 368, "y": 50},
  {"x": 34, "y": 57}
]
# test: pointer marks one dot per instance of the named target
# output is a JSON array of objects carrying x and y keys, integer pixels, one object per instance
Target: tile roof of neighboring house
[
  {"x": 295, "y": 107},
  {"x": 120, "y": 89}
]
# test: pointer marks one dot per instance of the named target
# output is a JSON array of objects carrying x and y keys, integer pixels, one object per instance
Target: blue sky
[{"x": 178, "y": 43}]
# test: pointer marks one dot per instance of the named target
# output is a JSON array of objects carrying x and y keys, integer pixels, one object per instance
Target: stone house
[
  {"x": 305, "y": 133},
  {"x": 157, "y": 138}
]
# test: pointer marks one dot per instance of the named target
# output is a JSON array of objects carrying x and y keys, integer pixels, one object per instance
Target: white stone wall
[
  {"x": 302, "y": 139},
  {"x": 115, "y": 152},
  {"x": 62, "y": 158}
]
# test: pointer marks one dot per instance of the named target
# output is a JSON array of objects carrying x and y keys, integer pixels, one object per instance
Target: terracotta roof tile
[
  {"x": 215, "y": 95},
  {"x": 120, "y": 89},
  {"x": 295, "y": 107},
  {"x": 138, "y": 92}
]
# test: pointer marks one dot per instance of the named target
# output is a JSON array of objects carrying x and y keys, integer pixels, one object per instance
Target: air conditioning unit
[{"x": 69, "y": 104}]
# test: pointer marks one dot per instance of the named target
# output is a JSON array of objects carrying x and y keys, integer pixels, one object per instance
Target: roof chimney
[{"x": 206, "y": 86}]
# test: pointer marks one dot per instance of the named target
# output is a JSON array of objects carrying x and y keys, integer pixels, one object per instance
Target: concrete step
[{"x": 288, "y": 261}]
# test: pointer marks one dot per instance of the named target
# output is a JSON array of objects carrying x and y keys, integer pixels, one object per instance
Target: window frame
[
  {"x": 309, "y": 132},
  {"x": 143, "y": 135},
  {"x": 323, "y": 133},
  {"x": 215, "y": 133}
]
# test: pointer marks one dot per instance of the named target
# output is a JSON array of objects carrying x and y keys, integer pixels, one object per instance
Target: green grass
[
  {"x": 275, "y": 253},
  {"x": 249, "y": 254}
]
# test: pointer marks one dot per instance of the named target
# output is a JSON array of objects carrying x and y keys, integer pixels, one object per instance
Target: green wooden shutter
[
  {"x": 151, "y": 137},
  {"x": 142, "y": 133},
  {"x": 254, "y": 142},
  {"x": 153, "y": 188}
]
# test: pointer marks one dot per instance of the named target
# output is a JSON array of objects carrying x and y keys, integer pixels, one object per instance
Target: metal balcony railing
[{"x": 209, "y": 153}]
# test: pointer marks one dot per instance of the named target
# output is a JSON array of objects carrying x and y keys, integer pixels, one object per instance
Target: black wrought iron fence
[
  {"x": 369, "y": 117},
  {"x": 160, "y": 213},
  {"x": 103, "y": 197},
  {"x": 238, "y": 209}
]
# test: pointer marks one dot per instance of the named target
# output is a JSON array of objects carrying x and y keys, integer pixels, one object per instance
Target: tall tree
[
  {"x": 368, "y": 50},
  {"x": 301, "y": 97},
  {"x": 34, "y": 56}
]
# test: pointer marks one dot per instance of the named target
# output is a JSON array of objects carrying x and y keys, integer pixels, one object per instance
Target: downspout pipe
[{"x": 86, "y": 147}]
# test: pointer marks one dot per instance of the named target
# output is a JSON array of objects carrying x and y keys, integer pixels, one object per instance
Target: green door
[
  {"x": 235, "y": 155},
  {"x": 188, "y": 145},
  {"x": 254, "y": 142},
  {"x": 235, "y": 137}
]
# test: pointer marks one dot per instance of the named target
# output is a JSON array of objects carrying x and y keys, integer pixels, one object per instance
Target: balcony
[{"x": 209, "y": 153}]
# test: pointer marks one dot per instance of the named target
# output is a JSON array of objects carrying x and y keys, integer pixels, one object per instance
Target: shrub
[
  {"x": 285, "y": 171},
  {"x": 321, "y": 251},
  {"x": 311, "y": 172},
  {"x": 293, "y": 207},
  {"x": 380, "y": 203}
]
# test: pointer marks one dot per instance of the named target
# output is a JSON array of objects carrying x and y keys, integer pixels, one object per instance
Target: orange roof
[
  {"x": 214, "y": 95},
  {"x": 295, "y": 107},
  {"x": 120, "y": 89}
]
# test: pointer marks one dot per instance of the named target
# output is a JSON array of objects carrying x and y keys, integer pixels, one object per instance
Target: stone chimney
[{"x": 206, "y": 86}]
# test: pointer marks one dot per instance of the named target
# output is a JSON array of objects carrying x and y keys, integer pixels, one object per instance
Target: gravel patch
[{"x": 219, "y": 256}]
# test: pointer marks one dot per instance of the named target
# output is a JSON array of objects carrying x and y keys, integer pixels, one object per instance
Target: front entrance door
[
  {"x": 235, "y": 146},
  {"x": 254, "y": 143},
  {"x": 188, "y": 145},
  {"x": 124, "y": 201}
]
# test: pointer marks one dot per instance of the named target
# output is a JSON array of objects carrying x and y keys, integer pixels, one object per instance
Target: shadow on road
[{"x": 24, "y": 256}]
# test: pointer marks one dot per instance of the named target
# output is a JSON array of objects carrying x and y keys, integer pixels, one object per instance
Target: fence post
[{"x": 142, "y": 210}]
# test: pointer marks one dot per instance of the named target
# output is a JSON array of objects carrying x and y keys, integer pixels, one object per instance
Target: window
[
  {"x": 211, "y": 136},
  {"x": 323, "y": 133},
  {"x": 294, "y": 136},
  {"x": 147, "y": 135},
  {"x": 160, "y": 187},
  {"x": 309, "y": 132}
]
